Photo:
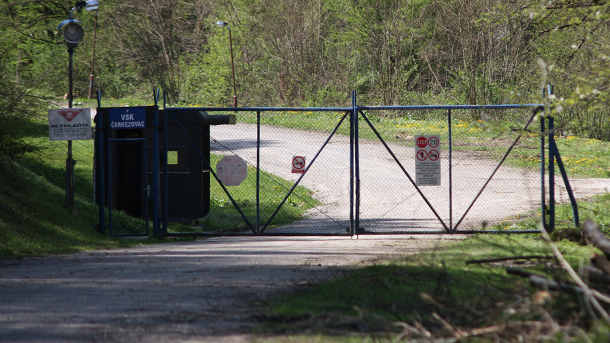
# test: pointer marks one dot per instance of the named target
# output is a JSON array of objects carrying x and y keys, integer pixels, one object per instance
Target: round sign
[
  {"x": 298, "y": 164},
  {"x": 421, "y": 142},
  {"x": 422, "y": 155},
  {"x": 433, "y": 142},
  {"x": 433, "y": 155},
  {"x": 231, "y": 170}
]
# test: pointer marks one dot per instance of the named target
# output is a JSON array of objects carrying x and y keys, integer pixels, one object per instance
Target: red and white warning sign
[
  {"x": 298, "y": 164},
  {"x": 70, "y": 124},
  {"x": 427, "y": 160}
]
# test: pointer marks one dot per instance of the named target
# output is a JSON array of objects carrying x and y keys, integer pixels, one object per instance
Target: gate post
[
  {"x": 450, "y": 174},
  {"x": 156, "y": 186},
  {"x": 100, "y": 183}
]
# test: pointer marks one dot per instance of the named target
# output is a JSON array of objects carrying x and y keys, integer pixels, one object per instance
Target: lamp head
[
  {"x": 90, "y": 5},
  {"x": 72, "y": 30},
  {"x": 223, "y": 24}
]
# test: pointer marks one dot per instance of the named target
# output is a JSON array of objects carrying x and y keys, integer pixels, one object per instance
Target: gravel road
[{"x": 203, "y": 291}]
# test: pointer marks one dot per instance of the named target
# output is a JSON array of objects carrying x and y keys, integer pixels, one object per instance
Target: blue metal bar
[
  {"x": 263, "y": 109},
  {"x": 352, "y": 136},
  {"x": 405, "y": 171},
  {"x": 450, "y": 173},
  {"x": 109, "y": 189},
  {"x": 551, "y": 175},
  {"x": 344, "y": 109},
  {"x": 258, "y": 172},
  {"x": 446, "y": 107},
  {"x": 542, "y": 178},
  {"x": 282, "y": 234},
  {"x": 356, "y": 164},
  {"x": 302, "y": 175},
  {"x": 99, "y": 174},
  {"x": 207, "y": 164},
  {"x": 564, "y": 175},
  {"x": 165, "y": 197},
  {"x": 145, "y": 173},
  {"x": 156, "y": 180}
]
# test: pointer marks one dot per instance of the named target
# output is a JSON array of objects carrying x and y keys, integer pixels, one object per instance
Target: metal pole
[
  {"x": 450, "y": 176},
  {"x": 233, "y": 70},
  {"x": 551, "y": 175},
  {"x": 258, "y": 168},
  {"x": 542, "y": 167},
  {"x": 100, "y": 175},
  {"x": 70, "y": 161},
  {"x": 156, "y": 184},
  {"x": 356, "y": 163},
  {"x": 351, "y": 171},
  {"x": 93, "y": 56}
]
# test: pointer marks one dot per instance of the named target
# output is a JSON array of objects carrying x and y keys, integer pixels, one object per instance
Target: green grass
[{"x": 365, "y": 303}]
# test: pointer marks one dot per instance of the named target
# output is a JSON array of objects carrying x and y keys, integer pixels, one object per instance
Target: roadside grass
[{"x": 364, "y": 305}]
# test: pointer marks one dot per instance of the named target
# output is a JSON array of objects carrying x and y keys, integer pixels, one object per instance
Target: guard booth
[{"x": 126, "y": 138}]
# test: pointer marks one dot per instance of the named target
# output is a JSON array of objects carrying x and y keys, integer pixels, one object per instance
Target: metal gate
[{"x": 351, "y": 170}]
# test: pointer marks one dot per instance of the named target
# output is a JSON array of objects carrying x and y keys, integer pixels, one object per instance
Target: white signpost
[
  {"x": 70, "y": 124},
  {"x": 428, "y": 160},
  {"x": 231, "y": 170}
]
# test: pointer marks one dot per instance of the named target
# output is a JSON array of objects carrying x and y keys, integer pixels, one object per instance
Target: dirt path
[{"x": 204, "y": 291}]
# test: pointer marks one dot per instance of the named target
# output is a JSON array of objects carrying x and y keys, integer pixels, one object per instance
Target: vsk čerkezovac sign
[
  {"x": 428, "y": 160},
  {"x": 70, "y": 124}
]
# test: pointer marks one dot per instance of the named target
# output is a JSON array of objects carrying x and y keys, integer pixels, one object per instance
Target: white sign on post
[
  {"x": 70, "y": 124},
  {"x": 428, "y": 160}
]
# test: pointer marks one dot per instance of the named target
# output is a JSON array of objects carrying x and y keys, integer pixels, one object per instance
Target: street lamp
[
  {"x": 73, "y": 32},
  {"x": 223, "y": 24}
]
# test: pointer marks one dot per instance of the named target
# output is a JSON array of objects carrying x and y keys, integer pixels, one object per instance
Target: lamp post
[
  {"x": 73, "y": 32},
  {"x": 223, "y": 24}
]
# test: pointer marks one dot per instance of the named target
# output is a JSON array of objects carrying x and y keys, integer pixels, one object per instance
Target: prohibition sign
[
  {"x": 433, "y": 142},
  {"x": 433, "y": 155},
  {"x": 422, "y": 155},
  {"x": 298, "y": 164}
]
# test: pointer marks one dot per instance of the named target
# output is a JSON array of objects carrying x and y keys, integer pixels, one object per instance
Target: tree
[{"x": 158, "y": 36}]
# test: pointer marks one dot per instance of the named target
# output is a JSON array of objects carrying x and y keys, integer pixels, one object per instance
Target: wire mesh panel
[
  {"x": 472, "y": 194},
  {"x": 127, "y": 187},
  {"x": 304, "y": 164}
]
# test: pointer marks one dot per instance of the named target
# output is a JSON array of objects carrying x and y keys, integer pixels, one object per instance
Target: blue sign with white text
[{"x": 127, "y": 118}]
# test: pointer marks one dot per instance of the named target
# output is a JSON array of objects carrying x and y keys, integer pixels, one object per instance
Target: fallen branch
[
  {"x": 501, "y": 259},
  {"x": 589, "y": 294}
]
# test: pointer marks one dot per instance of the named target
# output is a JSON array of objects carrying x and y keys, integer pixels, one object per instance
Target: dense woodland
[{"x": 313, "y": 53}]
